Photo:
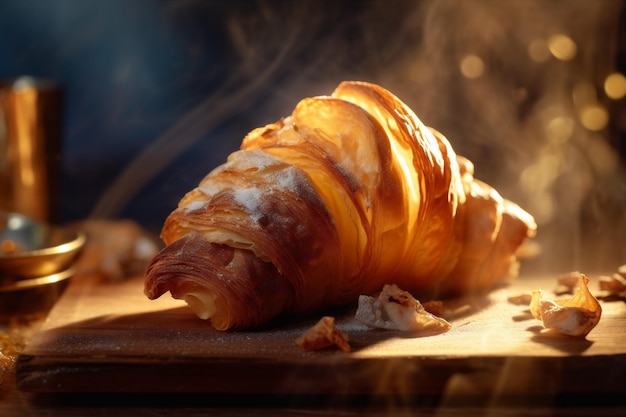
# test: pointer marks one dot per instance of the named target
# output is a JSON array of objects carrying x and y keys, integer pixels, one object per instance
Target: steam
[
  {"x": 246, "y": 82},
  {"x": 517, "y": 87}
]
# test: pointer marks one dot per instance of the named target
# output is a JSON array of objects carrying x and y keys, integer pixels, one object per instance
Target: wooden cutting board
[{"x": 107, "y": 337}]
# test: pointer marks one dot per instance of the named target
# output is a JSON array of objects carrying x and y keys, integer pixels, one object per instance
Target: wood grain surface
[{"x": 107, "y": 337}]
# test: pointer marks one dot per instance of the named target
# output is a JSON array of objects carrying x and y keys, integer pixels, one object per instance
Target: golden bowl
[{"x": 33, "y": 253}]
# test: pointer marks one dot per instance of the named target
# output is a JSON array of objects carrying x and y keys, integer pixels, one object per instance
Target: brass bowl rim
[
  {"x": 30, "y": 283},
  {"x": 78, "y": 241},
  {"x": 75, "y": 241}
]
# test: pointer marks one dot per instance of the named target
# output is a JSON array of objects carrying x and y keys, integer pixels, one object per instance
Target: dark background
[{"x": 158, "y": 93}]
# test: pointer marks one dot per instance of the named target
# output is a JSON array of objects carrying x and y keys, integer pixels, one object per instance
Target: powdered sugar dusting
[
  {"x": 251, "y": 199},
  {"x": 209, "y": 188},
  {"x": 264, "y": 180},
  {"x": 287, "y": 178},
  {"x": 194, "y": 205}
]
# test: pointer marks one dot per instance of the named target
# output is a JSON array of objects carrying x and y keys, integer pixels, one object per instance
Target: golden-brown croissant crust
[{"x": 348, "y": 193}]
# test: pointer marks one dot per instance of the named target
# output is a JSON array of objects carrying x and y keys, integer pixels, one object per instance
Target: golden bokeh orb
[
  {"x": 615, "y": 86},
  {"x": 562, "y": 47},
  {"x": 472, "y": 66}
]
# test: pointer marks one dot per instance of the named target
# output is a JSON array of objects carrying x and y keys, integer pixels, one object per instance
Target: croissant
[{"x": 348, "y": 193}]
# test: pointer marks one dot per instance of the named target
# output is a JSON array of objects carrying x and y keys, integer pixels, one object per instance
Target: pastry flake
[
  {"x": 520, "y": 299},
  {"x": 615, "y": 284},
  {"x": 115, "y": 249},
  {"x": 574, "y": 316},
  {"x": 395, "y": 309},
  {"x": 567, "y": 283},
  {"x": 324, "y": 334}
]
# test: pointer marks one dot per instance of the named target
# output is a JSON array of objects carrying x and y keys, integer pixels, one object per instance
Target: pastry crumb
[
  {"x": 614, "y": 285},
  {"x": 322, "y": 335},
  {"x": 435, "y": 307},
  {"x": 520, "y": 299},
  {"x": 395, "y": 309},
  {"x": 567, "y": 283}
]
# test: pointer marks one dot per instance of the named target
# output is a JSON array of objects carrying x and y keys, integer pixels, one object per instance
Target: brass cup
[{"x": 30, "y": 147}]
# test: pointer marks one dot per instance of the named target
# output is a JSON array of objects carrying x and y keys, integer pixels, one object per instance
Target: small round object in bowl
[{"x": 33, "y": 249}]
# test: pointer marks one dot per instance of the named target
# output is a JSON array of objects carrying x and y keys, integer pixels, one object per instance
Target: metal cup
[{"x": 30, "y": 147}]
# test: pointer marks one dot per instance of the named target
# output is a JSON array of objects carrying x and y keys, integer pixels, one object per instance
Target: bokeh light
[
  {"x": 615, "y": 86},
  {"x": 562, "y": 47},
  {"x": 559, "y": 130},
  {"x": 594, "y": 117},
  {"x": 472, "y": 66}
]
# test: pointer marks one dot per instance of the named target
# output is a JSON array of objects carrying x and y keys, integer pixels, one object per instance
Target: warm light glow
[
  {"x": 559, "y": 130},
  {"x": 472, "y": 66},
  {"x": 538, "y": 50},
  {"x": 615, "y": 85},
  {"x": 562, "y": 47},
  {"x": 594, "y": 117},
  {"x": 537, "y": 180},
  {"x": 404, "y": 160},
  {"x": 25, "y": 131},
  {"x": 542, "y": 174}
]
